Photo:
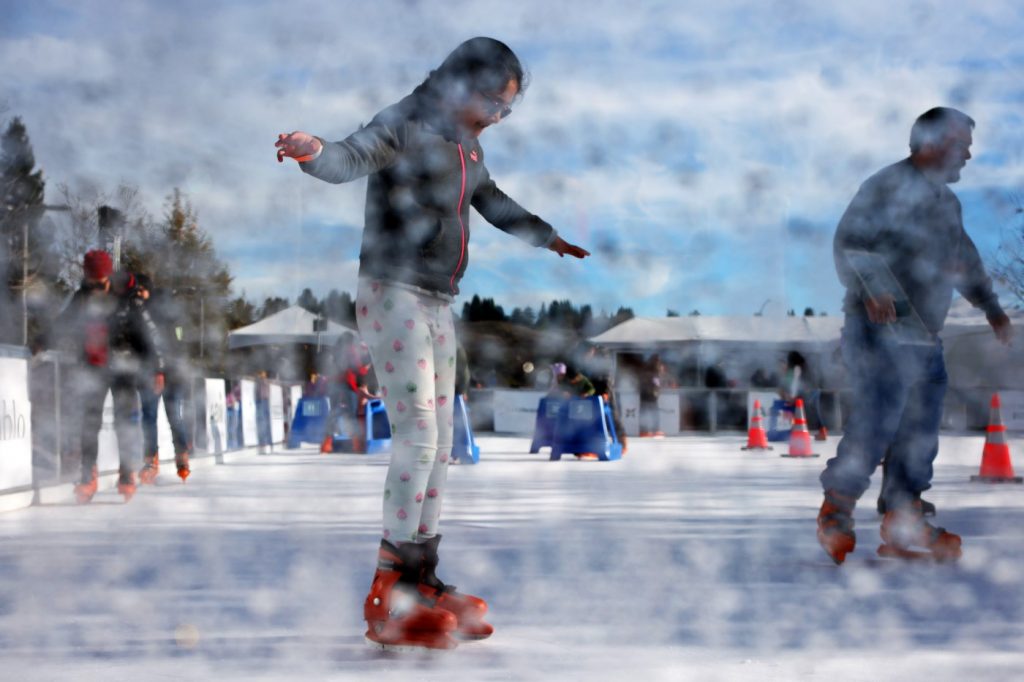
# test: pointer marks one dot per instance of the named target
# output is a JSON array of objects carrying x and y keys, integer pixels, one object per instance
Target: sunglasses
[{"x": 494, "y": 105}]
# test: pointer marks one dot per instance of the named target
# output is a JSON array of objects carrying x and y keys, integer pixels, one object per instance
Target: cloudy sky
[{"x": 702, "y": 151}]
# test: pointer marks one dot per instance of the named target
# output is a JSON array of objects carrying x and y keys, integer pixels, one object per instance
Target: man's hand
[
  {"x": 563, "y": 248},
  {"x": 158, "y": 383},
  {"x": 1002, "y": 328},
  {"x": 882, "y": 309},
  {"x": 297, "y": 145}
]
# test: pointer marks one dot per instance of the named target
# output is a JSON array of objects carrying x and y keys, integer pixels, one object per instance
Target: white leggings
[{"x": 411, "y": 338}]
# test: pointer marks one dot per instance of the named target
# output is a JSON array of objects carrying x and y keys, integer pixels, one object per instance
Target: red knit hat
[{"x": 97, "y": 264}]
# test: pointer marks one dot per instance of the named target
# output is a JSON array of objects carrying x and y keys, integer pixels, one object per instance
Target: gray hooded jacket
[{"x": 422, "y": 181}]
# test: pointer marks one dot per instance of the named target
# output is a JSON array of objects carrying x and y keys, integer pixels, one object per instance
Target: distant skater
[{"x": 426, "y": 168}]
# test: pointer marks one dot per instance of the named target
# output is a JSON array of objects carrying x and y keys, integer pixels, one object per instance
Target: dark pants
[
  {"x": 90, "y": 387},
  {"x": 174, "y": 397},
  {"x": 898, "y": 391}
]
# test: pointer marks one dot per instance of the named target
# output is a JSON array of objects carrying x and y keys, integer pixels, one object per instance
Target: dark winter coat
[
  {"x": 422, "y": 181},
  {"x": 917, "y": 227},
  {"x": 167, "y": 312},
  {"x": 112, "y": 331}
]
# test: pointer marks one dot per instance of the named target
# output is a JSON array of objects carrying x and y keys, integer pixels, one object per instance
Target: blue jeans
[
  {"x": 263, "y": 422},
  {"x": 898, "y": 392},
  {"x": 173, "y": 396}
]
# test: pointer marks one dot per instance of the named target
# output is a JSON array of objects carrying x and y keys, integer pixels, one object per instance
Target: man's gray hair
[{"x": 933, "y": 125}]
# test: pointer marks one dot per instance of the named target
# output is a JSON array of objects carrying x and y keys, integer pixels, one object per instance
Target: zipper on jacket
[{"x": 462, "y": 226}]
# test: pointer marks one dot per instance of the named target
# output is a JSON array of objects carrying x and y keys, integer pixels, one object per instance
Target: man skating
[{"x": 907, "y": 216}]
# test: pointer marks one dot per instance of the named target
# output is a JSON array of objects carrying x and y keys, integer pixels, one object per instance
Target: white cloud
[{"x": 650, "y": 122}]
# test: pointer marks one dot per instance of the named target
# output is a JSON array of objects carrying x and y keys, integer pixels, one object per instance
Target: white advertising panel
[
  {"x": 216, "y": 437},
  {"x": 668, "y": 412},
  {"x": 164, "y": 442},
  {"x": 107, "y": 458},
  {"x": 515, "y": 411},
  {"x": 249, "y": 434},
  {"x": 15, "y": 425},
  {"x": 296, "y": 395},
  {"x": 277, "y": 415}
]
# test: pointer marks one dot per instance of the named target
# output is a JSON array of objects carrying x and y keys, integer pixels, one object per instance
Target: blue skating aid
[
  {"x": 378, "y": 428},
  {"x": 585, "y": 426},
  {"x": 309, "y": 421},
  {"x": 464, "y": 447},
  {"x": 776, "y": 434},
  {"x": 548, "y": 410}
]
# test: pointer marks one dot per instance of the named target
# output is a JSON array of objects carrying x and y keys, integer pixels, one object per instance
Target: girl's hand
[
  {"x": 297, "y": 145},
  {"x": 563, "y": 248}
]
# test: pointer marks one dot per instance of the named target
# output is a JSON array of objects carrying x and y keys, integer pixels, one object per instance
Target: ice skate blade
[
  {"x": 469, "y": 636},
  {"x": 406, "y": 648},
  {"x": 893, "y": 552}
]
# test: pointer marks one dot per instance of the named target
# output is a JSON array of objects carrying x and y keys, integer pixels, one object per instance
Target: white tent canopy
[
  {"x": 659, "y": 331},
  {"x": 291, "y": 325}
]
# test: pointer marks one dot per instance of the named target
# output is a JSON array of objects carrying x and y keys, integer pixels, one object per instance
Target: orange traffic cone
[
  {"x": 799, "y": 437},
  {"x": 757, "y": 439},
  {"x": 327, "y": 445},
  {"x": 995, "y": 458}
]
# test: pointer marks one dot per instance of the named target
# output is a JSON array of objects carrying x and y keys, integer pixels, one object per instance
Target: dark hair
[
  {"x": 483, "y": 65},
  {"x": 931, "y": 126},
  {"x": 795, "y": 359}
]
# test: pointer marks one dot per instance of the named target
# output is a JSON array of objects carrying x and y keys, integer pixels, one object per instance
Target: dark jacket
[
  {"x": 112, "y": 331},
  {"x": 168, "y": 315},
  {"x": 917, "y": 227},
  {"x": 422, "y": 182}
]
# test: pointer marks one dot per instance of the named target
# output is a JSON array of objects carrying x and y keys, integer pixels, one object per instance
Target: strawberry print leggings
[{"x": 411, "y": 338}]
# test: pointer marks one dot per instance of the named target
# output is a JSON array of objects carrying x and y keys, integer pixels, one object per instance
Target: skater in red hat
[
  {"x": 900, "y": 251},
  {"x": 426, "y": 168}
]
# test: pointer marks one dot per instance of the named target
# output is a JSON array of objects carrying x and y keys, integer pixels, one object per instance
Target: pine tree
[
  {"x": 21, "y": 212},
  {"x": 271, "y": 305},
  {"x": 308, "y": 301},
  {"x": 339, "y": 307},
  {"x": 179, "y": 256},
  {"x": 240, "y": 312}
]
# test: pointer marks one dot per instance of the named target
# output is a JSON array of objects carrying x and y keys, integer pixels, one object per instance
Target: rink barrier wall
[
  {"x": 712, "y": 410},
  {"x": 15, "y": 427},
  {"x": 39, "y": 458},
  {"x": 38, "y": 451}
]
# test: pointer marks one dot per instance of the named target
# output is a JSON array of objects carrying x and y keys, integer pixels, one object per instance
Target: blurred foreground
[{"x": 687, "y": 559}]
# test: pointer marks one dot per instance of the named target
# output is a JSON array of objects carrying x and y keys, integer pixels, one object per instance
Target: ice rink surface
[{"x": 687, "y": 560}]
